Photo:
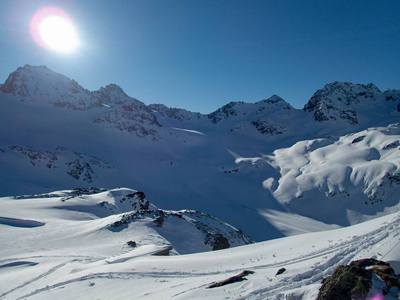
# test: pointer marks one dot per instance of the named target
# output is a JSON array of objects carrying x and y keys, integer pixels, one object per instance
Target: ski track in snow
[
  {"x": 342, "y": 252},
  {"x": 41, "y": 276}
]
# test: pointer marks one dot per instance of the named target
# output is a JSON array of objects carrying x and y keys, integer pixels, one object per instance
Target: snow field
[{"x": 73, "y": 255}]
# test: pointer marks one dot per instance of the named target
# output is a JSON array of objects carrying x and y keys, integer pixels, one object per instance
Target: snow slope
[
  {"x": 57, "y": 246},
  {"x": 343, "y": 180}
]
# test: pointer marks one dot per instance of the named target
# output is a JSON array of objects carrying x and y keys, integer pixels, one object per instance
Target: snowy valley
[{"x": 171, "y": 181}]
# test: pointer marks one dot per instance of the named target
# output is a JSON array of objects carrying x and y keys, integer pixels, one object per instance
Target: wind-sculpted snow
[
  {"x": 341, "y": 181},
  {"x": 20, "y": 222}
]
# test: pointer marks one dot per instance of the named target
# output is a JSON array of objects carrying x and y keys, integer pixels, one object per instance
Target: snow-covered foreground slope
[{"x": 61, "y": 246}]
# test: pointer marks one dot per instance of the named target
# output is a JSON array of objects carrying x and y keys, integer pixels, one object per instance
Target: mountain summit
[{"x": 344, "y": 101}]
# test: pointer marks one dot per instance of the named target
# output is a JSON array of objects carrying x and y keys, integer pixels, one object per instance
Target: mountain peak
[
  {"x": 112, "y": 94},
  {"x": 338, "y": 100},
  {"x": 39, "y": 84},
  {"x": 113, "y": 88},
  {"x": 275, "y": 100}
]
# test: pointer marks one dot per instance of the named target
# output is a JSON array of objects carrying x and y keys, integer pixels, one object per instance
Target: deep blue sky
[{"x": 202, "y": 54}]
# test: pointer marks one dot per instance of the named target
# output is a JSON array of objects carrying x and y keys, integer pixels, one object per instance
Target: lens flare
[
  {"x": 377, "y": 297},
  {"x": 52, "y": 28}
]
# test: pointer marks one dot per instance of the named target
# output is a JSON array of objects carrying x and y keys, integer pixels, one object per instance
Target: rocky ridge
[
  {"x": 130, "y": 209},
  {"x": 337, "y": 101}
]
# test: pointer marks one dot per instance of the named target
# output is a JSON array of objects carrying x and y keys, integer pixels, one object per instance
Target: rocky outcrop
[
  {"x": 237, "y": 278},
  {"x": 339, "y": 100},
  {"x": 224, "y": 112},
  {"x": 354, "y": 281},
  {"x": 77, "y": 165},
  {"x": 175, "y": 113},
  {"x": 216, "y": 234},
  {"x": 265, "y": 127}
]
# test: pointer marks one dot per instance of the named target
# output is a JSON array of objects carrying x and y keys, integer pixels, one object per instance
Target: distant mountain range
[{"x": 261, "y": 167}]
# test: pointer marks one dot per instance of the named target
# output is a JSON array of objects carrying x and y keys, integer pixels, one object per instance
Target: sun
[{"x": 53, "y": 29}]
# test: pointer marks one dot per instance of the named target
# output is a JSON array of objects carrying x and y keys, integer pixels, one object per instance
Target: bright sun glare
[{"x": 52, "y": 28}]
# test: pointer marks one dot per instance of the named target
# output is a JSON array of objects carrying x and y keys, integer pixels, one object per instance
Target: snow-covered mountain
[
  {"x": 327, "y": 174},
  {"x": 123, "y": 213},
  {"x": 351, "y": 102},
  {"x": 251, "y": 164}
]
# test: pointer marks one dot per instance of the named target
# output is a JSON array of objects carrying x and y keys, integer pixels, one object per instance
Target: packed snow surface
[{"x": 56, "y": 249}]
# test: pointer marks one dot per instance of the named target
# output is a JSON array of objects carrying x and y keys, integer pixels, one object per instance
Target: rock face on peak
[
  {"x": 226, "y": 111},
  {"x": 40, "y": 85},
  {"x": 69, "y": 165},
  {"x": 343, "y": 100},
  {"x": 126, "y": 113},
  {"x": 111, "y": 94},
  {"x": 241, "y": 110},
  {"x": 273, "y": 102},
  {"x": 393, "y": 96},
  {"x": 178, "y": 114}
]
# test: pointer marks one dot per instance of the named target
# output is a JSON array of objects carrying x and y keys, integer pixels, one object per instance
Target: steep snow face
[
  {"x": 342, "y": 181},
  {"x": 40, "y": 85},
  {"x": 345, "y": 101}
]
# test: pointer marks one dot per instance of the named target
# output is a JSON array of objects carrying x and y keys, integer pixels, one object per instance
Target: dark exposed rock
[
  {"x": 78, "y": 165},
  {"x": 386, "y": 274},
  {"x": 354, "y": 281},
  {"x": 77, "y": 168},
  {"x": 213, "y": 236},
  {"x": 175, "y": 113},
  {"x": 217, "y": 241},
  {"x": 131, "y": 243},
  {"x": 231, "y": 171},
  {"x": 338, "y": 100},
  {"x": 266, "y": 127},
  {"x": 280, "y": 271},
  {"x": 224, "y": 112},
  {"x": 240, "y": 277},
  {"x": 391, "y": 145},
  {"x": 358, "y": 139},
  {"x": 164, "y": 252},
  {"x": 159, "y": 221}
]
